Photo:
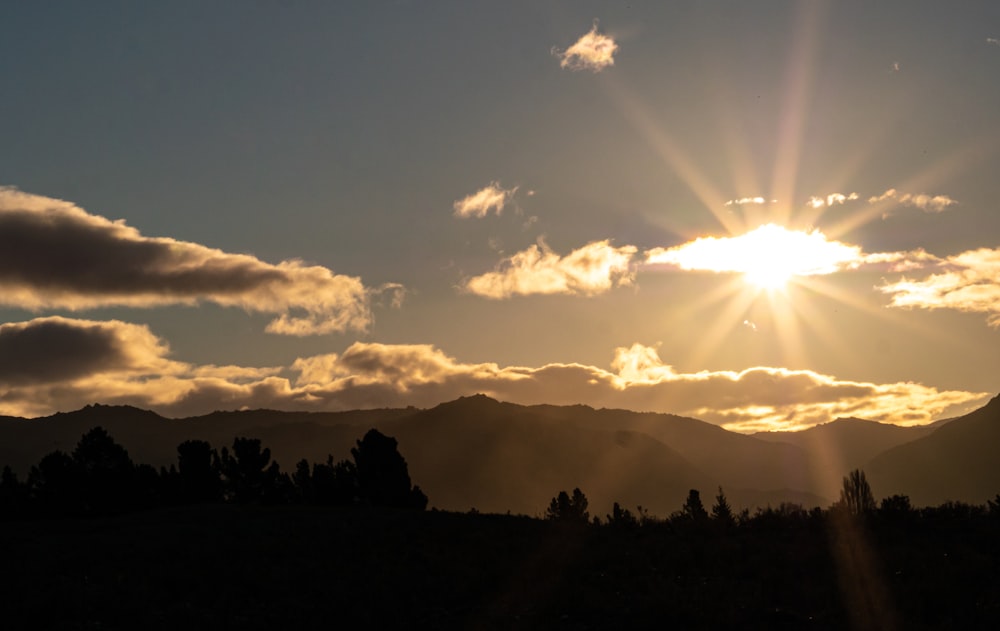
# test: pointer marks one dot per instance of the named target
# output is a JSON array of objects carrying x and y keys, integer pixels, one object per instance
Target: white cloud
[
  {"x": 592, "y": 269},
  {"x": 970, "y": 283},
  {"x": 927, "y": 203},
  {"x": 593, "y": 51},
  {"x": 493, "y": 197},
  {"x": 831, "y": 199},
  {"x": 746, "y": 200},
  {"x": 54, "y": 254}
]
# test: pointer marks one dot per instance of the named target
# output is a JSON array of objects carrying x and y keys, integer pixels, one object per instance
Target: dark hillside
[
  {"x": 960, "y": 461},
  {"x": 833, "y": 449}
]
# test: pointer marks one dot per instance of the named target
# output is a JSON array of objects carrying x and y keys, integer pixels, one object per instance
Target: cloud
[
  {"x": 746, "y": 200},
  {"x": 479, "y": 204},
  {"x": 592, "y": 269},
  {"x": 55, "y": 349},
  {"x": 594, "y": 51},
  {"x": 763, "y": 251},
  {"x": 926, "y": 203},
  {"x": 831, "y": 199},
  {"x": 54, "y": 254},
  {"x": 970, "y": 283},
  {"x": 128, "y": 365}
]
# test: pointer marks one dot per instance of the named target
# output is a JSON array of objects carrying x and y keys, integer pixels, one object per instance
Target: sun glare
[{"x": 768, "y": 256}]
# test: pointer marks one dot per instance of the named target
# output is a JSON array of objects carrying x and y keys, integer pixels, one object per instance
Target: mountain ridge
[{"x": 497, "y": 456}]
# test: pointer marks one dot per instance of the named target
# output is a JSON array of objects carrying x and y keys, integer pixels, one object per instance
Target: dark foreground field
[{"x": 228, "y": 567}]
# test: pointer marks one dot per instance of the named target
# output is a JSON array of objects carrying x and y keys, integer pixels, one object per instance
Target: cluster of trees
[
  {"x": 98, "y": 478},
  {"x": 857, "y": 502}
]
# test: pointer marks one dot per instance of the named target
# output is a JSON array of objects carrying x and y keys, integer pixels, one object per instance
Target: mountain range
[{"x": 476, "y": 452}]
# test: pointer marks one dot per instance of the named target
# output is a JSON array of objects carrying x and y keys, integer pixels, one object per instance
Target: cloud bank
[
  {"x": 121, "y": 363},
  {"x": 493, "y": 197},
  {"x": 592, "y": 269},
  {"x": 54, "y": 254},
  {"x": 593, "y": 51}
]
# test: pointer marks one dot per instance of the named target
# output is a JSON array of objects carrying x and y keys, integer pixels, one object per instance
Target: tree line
[
  {"x": 856, "y": 503},
  {"x": 98, "y": 478}
]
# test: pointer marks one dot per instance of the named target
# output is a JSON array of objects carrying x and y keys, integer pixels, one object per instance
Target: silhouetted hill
[
  {"x": 478, "y": 452},
  {"x": 835, "y": 448},
  {"x": 959, "y": 461},
  {"x": 752, "y": 472},
  {"x": 153, "y": 439},
  {"x": 498, "y": 457}
]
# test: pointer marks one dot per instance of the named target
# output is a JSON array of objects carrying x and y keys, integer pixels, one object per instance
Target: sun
[
  {"x": 769, "y": 276},
  {"x": 768, "y": 257}
]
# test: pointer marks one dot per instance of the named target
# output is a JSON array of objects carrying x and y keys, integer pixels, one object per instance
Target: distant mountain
[
  {"x": 476, "y": 452},
  {"x": 960, "y": 461},
  {"x": 153, "y": 439},
  {"x": 832, "y": 449},
  {"x": 740, "y": 463}
]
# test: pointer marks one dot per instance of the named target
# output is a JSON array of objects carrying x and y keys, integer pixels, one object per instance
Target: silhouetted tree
[
  {"x": 107, "y": 473},
  {"x": 55, "y": 484},
  {"x": 382, "y": 475},
  {"x": 895, "y": 507},
  {"x": 199, "y": 476},
  {"x": 621, "y": 517},
  {"x": 13, "y": 494},
  {"x": 993, "y": 506},
  {"x": 337, "y": 484},
  {"x": 722, "y": 512},
  {"x": 693, "y": 509},
  {"x": 856, "y": 495},
  {"x": 248, "y": 471},
  {"x": 569, "y": 509}
]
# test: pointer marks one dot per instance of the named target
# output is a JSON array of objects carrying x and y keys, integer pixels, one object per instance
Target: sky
[{"x": 764, "y": 215}]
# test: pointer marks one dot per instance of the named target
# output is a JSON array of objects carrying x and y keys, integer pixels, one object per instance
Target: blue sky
[{"x": 339, "y": 138}]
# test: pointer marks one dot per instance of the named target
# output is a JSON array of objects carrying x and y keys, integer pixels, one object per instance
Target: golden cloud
[
  {"x": 831, "y": 199},
  {"x": 971, "y": 283},
  {"x": 743, "y": 201},
  {"x": 593, "y": 51},
  {"x": 592, "y": 269},
  {"x": 54, "y": 254},
  {"x": 927, "y": 203},
  {"x": 368, "y": 375},
  {"x": 493, "y": 197}
]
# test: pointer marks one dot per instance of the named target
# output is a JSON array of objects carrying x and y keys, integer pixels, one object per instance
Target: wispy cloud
[
  {"x": 593, "y": 51},
  {"x": 971, "y": 283},
  {"x": 743, "y": 201},
  {"x": 592, "y": 269},
  {"x": 831, "y": 199},
  {"x": 493, "y": 197},
  {"x": 927, "y": 203},
  {"x": 54, "y": 254}
]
